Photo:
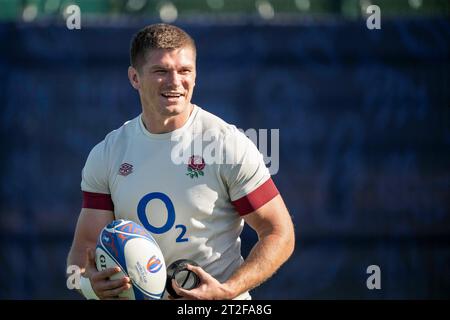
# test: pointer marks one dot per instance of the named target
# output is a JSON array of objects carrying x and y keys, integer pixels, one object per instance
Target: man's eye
[{"x": 160, "y": 71}]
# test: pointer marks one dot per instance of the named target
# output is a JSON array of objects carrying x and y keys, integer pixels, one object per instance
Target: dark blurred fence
[{"x": 364, "y": 144}]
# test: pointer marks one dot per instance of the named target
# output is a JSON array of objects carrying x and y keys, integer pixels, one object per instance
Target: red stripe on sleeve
[
  {"x": 257, "y": 198},
  {"x": 99, "y": 201}
]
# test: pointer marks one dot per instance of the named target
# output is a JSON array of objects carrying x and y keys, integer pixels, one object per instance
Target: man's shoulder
[
  {"x": 212, "y": 123},
  {"x": 234, "y": 140},
  {"x": 118, "y": 136},
  {"x": 123, "y": 132}
]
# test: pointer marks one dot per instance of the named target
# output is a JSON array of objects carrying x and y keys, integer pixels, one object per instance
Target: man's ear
[{"x": 133, "y": 76}]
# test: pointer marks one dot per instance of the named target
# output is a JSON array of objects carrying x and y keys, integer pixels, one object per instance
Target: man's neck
[{"x": 158, "y": 124}]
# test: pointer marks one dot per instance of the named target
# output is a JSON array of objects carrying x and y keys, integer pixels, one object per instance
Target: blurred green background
[{"x": 171, "y": 10}]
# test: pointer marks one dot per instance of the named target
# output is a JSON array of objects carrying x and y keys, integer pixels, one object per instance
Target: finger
[
  {"x": 181, "y": 292},
  {"x": 202, "y": 274},
  {"x": 110, "y": 294},
  {"x": 90, "y": 260},
  {"x": 105, "y": 274},
  {"x": 113, "y": 284},
  {"x": 91, "y": 255}
]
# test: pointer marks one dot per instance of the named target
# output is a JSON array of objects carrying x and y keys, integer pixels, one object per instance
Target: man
[{"x": 194, "y": 208}]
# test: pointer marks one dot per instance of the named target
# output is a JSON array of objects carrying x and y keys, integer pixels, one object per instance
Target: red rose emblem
[
  {"x": 195, "y": 166},
  {"x": 196, "y": 163}
]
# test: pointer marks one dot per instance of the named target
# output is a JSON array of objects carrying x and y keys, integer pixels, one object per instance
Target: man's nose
[{"x": 174, "y": 78}]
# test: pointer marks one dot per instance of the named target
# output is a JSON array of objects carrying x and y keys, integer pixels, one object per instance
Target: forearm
[
  {"x": 76, "y": 262},
  {"x": 78, "y": 252},
  {"x": 75, "y": 268},
  {"x": 264, "y": 260},
  {"x": 89, "y": 225},
  {"x": 77, "y": 258}
]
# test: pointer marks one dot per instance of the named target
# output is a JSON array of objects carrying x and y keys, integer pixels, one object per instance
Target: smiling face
[{"x": 165, "y": 83}]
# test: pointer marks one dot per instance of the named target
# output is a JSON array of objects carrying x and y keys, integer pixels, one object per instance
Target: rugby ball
[{"x": 128, "y": 245}]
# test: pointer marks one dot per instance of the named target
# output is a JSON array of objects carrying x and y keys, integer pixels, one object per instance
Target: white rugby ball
[{"x": 128, "y": 245}]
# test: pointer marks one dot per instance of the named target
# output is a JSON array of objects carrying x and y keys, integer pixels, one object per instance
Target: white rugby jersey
[{"x": 189, "y": 187}]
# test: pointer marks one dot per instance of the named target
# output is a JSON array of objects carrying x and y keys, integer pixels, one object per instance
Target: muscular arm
[
  {"x": 276, "y": 241},
  {"x": 275, "y": 245},
  {"x": 90, "y": 223}
]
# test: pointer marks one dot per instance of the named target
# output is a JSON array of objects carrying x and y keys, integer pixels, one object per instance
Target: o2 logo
[{"x": 170, "y": 215}]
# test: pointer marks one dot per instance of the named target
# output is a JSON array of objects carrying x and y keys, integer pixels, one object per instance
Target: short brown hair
[{"x": 157, "y": 36}]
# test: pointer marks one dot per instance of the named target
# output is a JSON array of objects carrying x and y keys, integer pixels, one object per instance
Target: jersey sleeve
[
  {"x": 249, "y": 183},
  {"x": 94, "y": 180}
]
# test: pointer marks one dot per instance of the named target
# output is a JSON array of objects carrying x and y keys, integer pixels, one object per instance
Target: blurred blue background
[{"x": 363, "y": 118}]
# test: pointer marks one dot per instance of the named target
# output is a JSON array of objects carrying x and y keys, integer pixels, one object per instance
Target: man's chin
[{"x": 173, "y": 109}]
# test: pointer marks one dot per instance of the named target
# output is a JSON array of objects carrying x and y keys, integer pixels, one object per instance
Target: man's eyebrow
[{"x": 159, "y": 66}]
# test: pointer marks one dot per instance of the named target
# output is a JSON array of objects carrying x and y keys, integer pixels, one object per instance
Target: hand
[
  {"x": 103, "y": 287},
  {"x": 209, "y": 288}
]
